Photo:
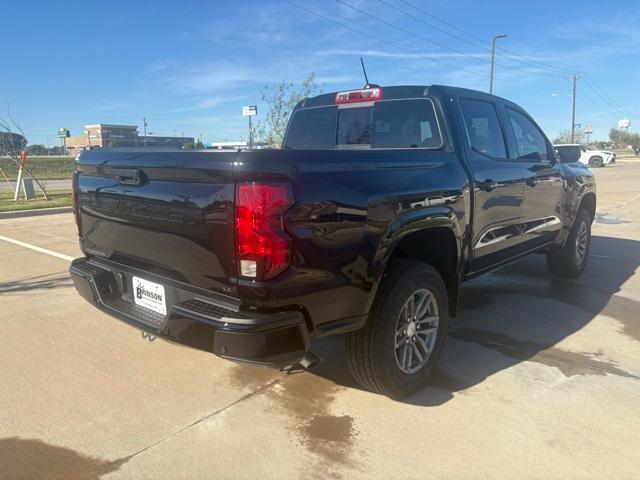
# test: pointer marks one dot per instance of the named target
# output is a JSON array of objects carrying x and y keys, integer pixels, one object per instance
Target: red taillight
[
  {"x": 263, "y": 245},
  {"x": 74, "y": 200},
  {"x": 363, "y": 95}
]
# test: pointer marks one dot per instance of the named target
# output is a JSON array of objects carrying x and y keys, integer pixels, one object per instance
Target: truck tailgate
[{"x": 166, "y": 212}]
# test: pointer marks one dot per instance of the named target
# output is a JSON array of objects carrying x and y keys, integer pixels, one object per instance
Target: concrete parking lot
[{"x": 539, "y": 379}]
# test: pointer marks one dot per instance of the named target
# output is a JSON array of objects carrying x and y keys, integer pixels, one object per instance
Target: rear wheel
[
  {"x": 396, "y": 351},
  {"x": 596, "y": 162},
  {"x": 570, "y": 260}
]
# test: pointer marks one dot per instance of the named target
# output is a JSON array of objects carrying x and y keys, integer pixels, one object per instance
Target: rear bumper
[{"x": 195, "y": 318}]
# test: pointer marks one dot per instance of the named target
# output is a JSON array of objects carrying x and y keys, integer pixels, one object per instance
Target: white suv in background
[{"x": 572, "y": 152}]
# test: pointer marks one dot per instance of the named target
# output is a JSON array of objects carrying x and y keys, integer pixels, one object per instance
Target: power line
[
  {"x": 425, "y": 39},
  {"x": 474, "y": 44},
  {"x": 606, "y": 98},
  {"x": 414, "y": 52},
  {"x": 596, "y": 104},
  {"x": 444, "y": 22},
  {"x": 344, "y": 25}
]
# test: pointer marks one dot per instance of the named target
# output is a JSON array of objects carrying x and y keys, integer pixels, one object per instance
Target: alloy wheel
[{"x": 416, "y": 331}]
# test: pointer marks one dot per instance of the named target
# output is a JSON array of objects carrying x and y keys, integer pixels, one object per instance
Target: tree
[
  {"x": 12, "y": 143},
  {"x": 280, "y": 100},
  {"x": 565, "y": 137},
  {"x": 37, "y": 150},
  {"x": 623, "y": 139}
]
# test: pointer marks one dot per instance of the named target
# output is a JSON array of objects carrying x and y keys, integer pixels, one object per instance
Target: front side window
[
  {"x": 530, "y": 141},
  {"x": 485, "y": 134}
]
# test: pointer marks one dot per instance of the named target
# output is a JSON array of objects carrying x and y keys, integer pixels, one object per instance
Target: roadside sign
[
  {"x": 250, "y": 111},
  {"x": 27, "y": 188},
  {"x": 63, "y": 133},
  {"x": 589, "y": 129}
]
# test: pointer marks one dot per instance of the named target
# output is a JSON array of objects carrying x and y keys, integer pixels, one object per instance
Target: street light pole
[
  {"x": 144, "y": 123},
  {"x": 493, "y": 60}
]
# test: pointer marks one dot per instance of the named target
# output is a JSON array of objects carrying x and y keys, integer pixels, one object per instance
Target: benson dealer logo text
[{"x": 142, "y": 293}]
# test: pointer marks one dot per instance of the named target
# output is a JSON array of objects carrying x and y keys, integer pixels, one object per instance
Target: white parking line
[{"x": 37, "y": 249}]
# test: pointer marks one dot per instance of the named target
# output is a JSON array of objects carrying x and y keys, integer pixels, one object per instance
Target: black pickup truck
[{"x": 380, "y": 203}]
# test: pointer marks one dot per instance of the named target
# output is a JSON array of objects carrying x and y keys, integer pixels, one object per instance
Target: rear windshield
[{"x": 384, "y": 124}]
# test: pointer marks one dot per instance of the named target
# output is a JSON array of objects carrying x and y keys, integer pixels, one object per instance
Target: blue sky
[{"x": 190, "y": 66}]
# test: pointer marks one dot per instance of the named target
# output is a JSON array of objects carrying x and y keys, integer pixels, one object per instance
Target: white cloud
[
  {"x": 212, "y": 77},
  {"x": 385, "y": 54},
  {"x": 210, "y": 102}
]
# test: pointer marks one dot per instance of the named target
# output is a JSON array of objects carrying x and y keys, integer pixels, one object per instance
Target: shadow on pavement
[
  {"x": 519, "y": 313},
  {"x": 29, "y": 458},
  {"x": 38, "y": 282}
]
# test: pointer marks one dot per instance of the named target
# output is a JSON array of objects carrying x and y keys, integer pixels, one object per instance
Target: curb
[{"x": 35, "y": 212}]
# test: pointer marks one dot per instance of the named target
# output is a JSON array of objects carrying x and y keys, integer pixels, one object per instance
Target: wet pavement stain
[
  {"x": 306, "y": 400},
  {"x": 608, "y": 219},
  {"x": 569, "y": 363},
  {"x": 32, "y": 459},
  {"x": 330, "y": 428},
  {"x": 247, "y": 377}
]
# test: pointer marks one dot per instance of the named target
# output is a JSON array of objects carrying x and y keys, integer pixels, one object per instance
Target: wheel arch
[
  {"x": 588, "y": 202},
  {"x": 432, "y": 239}
]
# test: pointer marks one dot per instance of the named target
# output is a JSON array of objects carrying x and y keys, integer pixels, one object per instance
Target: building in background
[{"x": 102, "y": 135}]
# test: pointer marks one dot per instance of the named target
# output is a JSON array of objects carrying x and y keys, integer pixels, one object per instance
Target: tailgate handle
[{"x": 129, "y": 176}]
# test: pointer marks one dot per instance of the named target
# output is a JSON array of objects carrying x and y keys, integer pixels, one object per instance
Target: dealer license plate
[{"x": 149, "y": 295}]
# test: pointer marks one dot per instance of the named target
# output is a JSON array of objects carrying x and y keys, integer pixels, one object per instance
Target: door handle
[
  {"x": 128, "y": 176},
  {"x": 488, "y": 185},
  {"x": 532, "y": 182}
]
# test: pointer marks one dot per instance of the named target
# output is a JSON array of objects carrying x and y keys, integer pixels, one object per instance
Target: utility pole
[
  {"x": 144, "y": 123},
  {"x": 573, "y": 110},
  {"x": 493, "y": 60},
  {"x": 574, "y": 79}
]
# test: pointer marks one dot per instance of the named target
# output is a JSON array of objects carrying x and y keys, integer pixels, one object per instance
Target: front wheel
[
  {"x": 570, "y": 260},
  {"x": 396, "y": 351}
]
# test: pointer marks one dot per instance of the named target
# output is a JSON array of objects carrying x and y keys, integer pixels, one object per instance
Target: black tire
[
  {"x": 564, "y": 262},
  {"x": 372, "y": 351},
  {"x": 596, "y": 162}
]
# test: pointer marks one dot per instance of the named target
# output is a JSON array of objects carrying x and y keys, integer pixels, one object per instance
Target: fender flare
[{"x": 401, "y": 227}]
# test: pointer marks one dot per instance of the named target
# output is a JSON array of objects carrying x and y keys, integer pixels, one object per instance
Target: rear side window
[
  {"x": 530, "y": 140},
  {"x": 485, "y": 134},
  {"x": 569, "y": 153},
  {"x": 407, "y": 123}
]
